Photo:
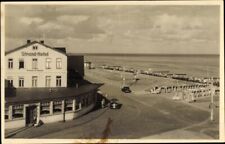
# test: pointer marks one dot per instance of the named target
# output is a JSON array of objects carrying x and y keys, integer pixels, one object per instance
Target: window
[
  {"x": 58, "y": 63},
  {"x": 10, "y": 63},
  {"x": 47, "y": 81},
  {"x": 57, "y": 106},
  {"x": 21, "y": 63},
  {"x": 58, "y": 81},
  {"x": 34, "y": 81},
  {"x": 35, "y": 47},
  {"x": 77, "y": 106},
  {"x": 69, "y": 105},
  {"x": 21, "y": 82},
  {"x": 48, "y": 61},
  {"x": 34, "y": 63},
  {"x": 6, "y": 113},
  {"x": 10, "y": 83},
  {"x": 45, "y": 108},
  {"x": 83, "y": 102},
  {"x": 17, "y": 111}
]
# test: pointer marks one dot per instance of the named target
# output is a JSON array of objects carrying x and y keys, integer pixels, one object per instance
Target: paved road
[{"x": 140, "y": 116}]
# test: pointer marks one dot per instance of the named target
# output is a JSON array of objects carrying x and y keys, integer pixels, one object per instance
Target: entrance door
[{"x": 31, "y": 114}]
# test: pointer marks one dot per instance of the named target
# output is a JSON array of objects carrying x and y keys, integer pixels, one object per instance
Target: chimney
[
  {"x": 28, "y": 41},
  {"x": 42, "y": 41}
]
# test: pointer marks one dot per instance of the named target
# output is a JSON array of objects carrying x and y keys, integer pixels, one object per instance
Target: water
[{"x": 192, "y": 65}]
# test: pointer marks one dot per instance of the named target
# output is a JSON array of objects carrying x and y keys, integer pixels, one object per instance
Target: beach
[{"x": 192, "y": 65}]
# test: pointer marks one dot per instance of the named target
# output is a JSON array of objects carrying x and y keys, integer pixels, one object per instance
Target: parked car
[{"x": 126, "y": 89}]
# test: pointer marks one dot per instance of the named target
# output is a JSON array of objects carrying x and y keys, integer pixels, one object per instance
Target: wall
[
  {"x": 76, "y": 62},
  {"x": 15, "y": 124}
]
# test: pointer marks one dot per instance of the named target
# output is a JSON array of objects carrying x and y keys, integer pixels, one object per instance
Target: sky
[{"x": 142, "y": 29}]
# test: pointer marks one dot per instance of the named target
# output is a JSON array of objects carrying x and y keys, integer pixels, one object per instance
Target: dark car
[{"x": 126, "y": 89}]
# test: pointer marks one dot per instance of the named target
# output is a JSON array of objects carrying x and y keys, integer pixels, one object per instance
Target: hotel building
[{"x": 36, "y": 86}]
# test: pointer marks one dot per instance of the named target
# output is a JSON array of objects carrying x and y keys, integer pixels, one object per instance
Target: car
[
  {"x": 113, "y": 104},
  {"x": 126, "y": 89}
]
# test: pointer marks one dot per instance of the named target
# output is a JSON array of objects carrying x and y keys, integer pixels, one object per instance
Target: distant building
[
  {"x": 39, "y": 88},
  {"x": 89, "y": 65}
]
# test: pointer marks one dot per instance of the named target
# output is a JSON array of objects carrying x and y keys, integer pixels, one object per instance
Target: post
[
  {"x": 38, "y": 112},
  {"x": 24, "y": 111},
  {"x": 10, "y": 112},
  {"x": 51, "y": 108},
  {"x": 63, "y": 109},
  {"x": 124, "y": 81},
  {"x": 63, "y": 106},
  {"x": 80, "y": 106},
  {"x": 74, "y": 104}
]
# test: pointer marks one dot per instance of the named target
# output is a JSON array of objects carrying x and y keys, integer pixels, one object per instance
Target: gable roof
[{"x": 36, "y": 42}]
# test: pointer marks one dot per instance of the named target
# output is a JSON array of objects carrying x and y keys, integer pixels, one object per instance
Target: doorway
[{"x": 31, "y": 115}]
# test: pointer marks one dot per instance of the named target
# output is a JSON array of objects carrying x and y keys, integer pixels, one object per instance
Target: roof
[
  {"x": 33, "y": 95},
  {"x": 34, "y": 42},
  {"x": 62, "y": 49}
]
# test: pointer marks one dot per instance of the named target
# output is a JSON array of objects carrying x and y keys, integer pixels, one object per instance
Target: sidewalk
[{"x": 34, "y": 132}]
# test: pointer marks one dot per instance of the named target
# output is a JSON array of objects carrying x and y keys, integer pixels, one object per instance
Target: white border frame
[{"x": 201, "y": 2}]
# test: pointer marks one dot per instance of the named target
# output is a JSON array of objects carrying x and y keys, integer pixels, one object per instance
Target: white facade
[{"x": 36, "y": 65}]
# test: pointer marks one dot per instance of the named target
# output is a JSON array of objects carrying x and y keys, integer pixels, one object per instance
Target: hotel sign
[{"x": 34, "y": 53}]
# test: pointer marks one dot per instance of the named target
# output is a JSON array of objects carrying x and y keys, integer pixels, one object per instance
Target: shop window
[
  {"x": 77, "y": 104},
  {"x": 69, "y": 105},
  {"x": 57, "y": 106},
  {"x": 17, "y": 111},
  {"x": 83, "y": 102},
  {"x": 21, "y": 64},
  {"x": 45, "y": 108},
  {"x": 6, "y": 113},
  {"x": 10, "y": 63}
]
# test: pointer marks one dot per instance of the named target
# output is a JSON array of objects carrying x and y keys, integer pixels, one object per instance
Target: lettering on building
[{"x": 35, "y": 54}]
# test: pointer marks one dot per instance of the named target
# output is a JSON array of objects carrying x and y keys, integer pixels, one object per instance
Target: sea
[{"x": 192, "y": 65}]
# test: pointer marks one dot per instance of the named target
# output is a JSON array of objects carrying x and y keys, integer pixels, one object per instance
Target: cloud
[
  {"x": 112, "y": 27},
  {"x": 30, "y": 20},
  {"x": 50, "y": 26},
  {"x": 72, "y": 19},
  {"x": 175, "y": 27}
]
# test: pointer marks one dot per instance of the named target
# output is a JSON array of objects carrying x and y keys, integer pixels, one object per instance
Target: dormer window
[{"x": 35, "y": 47}]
